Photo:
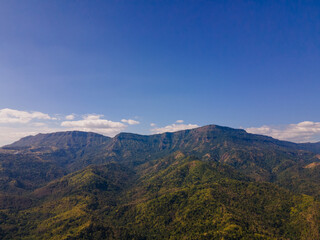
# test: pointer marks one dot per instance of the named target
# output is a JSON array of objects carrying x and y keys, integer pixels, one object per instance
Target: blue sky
[{"x": 243, "y": 64}]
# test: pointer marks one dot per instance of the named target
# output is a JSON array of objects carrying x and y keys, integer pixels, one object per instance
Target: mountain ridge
[
  {"x": 43, "y": 139},
  {"x": 26, "y": 141},
  {"x": 255, "y": 155},
  {"x": 210, "y": 182}
]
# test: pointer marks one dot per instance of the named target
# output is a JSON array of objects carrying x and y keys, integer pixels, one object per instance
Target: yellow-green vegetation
[
  {"x": 171, "y": 198},
  {"x": 195, "y": 200}
]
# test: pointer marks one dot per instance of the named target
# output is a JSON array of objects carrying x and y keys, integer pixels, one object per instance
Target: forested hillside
[{"x": 206, "y": 183}]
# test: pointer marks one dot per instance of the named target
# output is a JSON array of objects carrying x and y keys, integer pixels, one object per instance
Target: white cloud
[
  {"x": 95, "y": 123},
  {"x": 15, "y": 124},
  {"x": 179, "y": 121},
  {"x": 173, "y": 128},
  {"x": 38, "y": 124},
  {"x": 306, "y": 131},
  {"x": 92, "y": 116},
  {"x": 70, "y": 117},
  {"x": 8, "y": 116},
  {"x": 153, "y": 124},
  {"x": 130, "y": 121}
]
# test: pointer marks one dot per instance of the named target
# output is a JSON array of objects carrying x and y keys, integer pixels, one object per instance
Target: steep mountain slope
[
  {"x": 313, "y": 147},
  {"x": 260, "y": 157},
  {"x": 35, "y": 160},
  {"x": 62, "y": 148}
]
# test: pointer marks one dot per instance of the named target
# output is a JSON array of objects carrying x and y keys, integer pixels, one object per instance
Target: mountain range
[{"x": 210, "y": 182}]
